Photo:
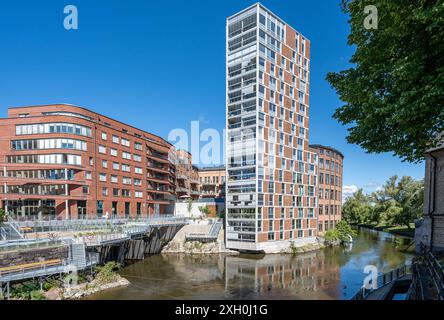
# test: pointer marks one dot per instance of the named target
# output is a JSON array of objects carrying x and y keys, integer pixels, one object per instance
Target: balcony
[{"x": 181, "y": 189}]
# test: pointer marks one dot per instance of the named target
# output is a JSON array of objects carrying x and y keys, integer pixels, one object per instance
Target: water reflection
[{"x": 332, "y": 273}]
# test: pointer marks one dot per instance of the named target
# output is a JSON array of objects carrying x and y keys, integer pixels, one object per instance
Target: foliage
[
  {"x": 2, "y": 215},
  {"x": 357, "y": 208},
  {"x": 394, "y": 92},
  {"x": 399, "y": 202},
  {"x": 37, "y": 295},
  {"x": 108, "y": 272},
  {"x": 342, "y": 232},
  {"x": 50, "y": 284},
  {"x": 205, "y": 210},
  {"x": 332, "y": 235},
  {"x": 189, "y": 205},
  {"x": 344, "y": 229},
  {"x": 27, "y": 290}
]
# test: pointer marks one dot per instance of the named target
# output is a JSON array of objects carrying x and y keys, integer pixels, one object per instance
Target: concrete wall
[{"x": 182, "y": 209}]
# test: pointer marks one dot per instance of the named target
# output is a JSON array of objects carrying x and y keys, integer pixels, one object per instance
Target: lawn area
[{"x": 398, "y": 230}]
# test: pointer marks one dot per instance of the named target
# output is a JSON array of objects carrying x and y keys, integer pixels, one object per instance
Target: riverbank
[
  {"x": 179, "y": 244},
  {"x": 86, "y": 289},
  {"x": 396, "y": 230}
]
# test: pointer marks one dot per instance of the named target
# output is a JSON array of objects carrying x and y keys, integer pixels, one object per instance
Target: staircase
[
  {"x": 215, "y": 228},
  {"x": 78, "y": 255},
  {"x": 10, "y": 231}
]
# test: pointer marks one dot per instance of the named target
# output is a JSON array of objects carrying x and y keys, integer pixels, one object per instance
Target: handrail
[
  {"x": 13, "y": 224},
  {"x": 435, "y": 269},
  {"x": 29, "y": 266},
  {"x": 383, "y": 280}
]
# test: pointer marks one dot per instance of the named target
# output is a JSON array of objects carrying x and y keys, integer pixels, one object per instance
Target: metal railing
[
  {"x": 97, "y": 240},
  {"x": 435, "y": 270},
  {"x": 95, "y": 223},
  {"x": 383, "y": 280},
  {"x": 16, "y": 245},
  {"x": 15, "y": 227},
  {"x": 212, "y": 234}
]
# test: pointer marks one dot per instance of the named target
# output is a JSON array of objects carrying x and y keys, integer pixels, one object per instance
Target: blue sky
[{"x": 158, "y": 65}]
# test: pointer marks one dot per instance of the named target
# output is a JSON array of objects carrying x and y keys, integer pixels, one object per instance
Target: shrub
[
  {"x": 108, "y": 272},
  {"x": 37, "y": 295},
  {"x": 2, "y": 215}
]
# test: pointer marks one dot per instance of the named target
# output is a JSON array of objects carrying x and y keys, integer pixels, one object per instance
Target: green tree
[
  {"x": 357, "y": 208},
  {"x": 2, "y": 215},
  {"x": 400, "y": 201},
  {"x": 205, "y": 211},
  {"x": 394, "y": 92},
  {"x": 189, "y": 205}
]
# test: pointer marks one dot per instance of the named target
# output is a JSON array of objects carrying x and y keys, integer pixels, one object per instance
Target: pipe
[{"x": 432, "y": 187}]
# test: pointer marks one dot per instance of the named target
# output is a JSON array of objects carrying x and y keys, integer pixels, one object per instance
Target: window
[
  {"x": 137, "y": 146},
  {"x": 104, "y": 164},
  {"x": 113, "y": 152},
  {"x": 126, "y": 168},
  {"x": 104, "y": 136},
  {"x": 102, "y": 149},
  {"x": 126, "y": 193},
  {"x": 99, "y": 208},
  {"x": 115, "y": 139},
  {"x": 125, "y": 142},
  {"x": 104, "y": 191},
  {"x": 88, "y": 175},
  {"x": 138, "y": 170},
  {"x": 116, "y": 192},
  {"x": 43, "y": 128},
  {"x": 46, "y": 159},
  {"x": 116, "y": 166},
  {"x": 102, "y": 177},
  {"x": 138, "y": 194},
  {"x": 85, "y": 189},
  {"x": 114, "y": 179},
  {"x": 137, "y": 182},
  {"x": 126, "y": 155},
  {"x": 262, "y": 19},
  {"x": 56, "y": 143},
  {"x": 137, "y": 158},
  {"x": 126, "y": 180}
]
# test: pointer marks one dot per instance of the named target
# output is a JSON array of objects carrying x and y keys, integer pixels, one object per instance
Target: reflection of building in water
[
  {"x": 304, "y": 273},
  {"x": 200, "y": 267}
]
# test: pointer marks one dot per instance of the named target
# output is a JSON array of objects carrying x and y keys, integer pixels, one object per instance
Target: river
[{"x": 330, "y": 273}]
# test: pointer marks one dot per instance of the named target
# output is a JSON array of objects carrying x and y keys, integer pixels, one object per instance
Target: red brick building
[
  {"x": 330, "y": 165},
  {"x": 63, "y": 161}
]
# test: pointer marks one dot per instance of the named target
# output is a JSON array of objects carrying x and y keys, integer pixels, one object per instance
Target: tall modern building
[{"x": 271, "y": 173}]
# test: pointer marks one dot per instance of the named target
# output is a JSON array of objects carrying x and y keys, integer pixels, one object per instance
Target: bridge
[{"x": 81, "y": 244}]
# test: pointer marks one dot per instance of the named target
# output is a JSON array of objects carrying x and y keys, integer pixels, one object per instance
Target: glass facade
[{"x": 271, "y": 174}]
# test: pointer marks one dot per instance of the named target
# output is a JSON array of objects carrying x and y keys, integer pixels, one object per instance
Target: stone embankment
[
  {"x": 180, "y": 245},
  {"x": 84, "y": 289},
  {"x": 292, "y": 249}
]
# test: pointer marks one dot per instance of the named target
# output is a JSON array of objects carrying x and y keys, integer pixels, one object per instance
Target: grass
[{"x": 398, "y": 230}]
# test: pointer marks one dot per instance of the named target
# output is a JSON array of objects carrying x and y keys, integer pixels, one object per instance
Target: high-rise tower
[{"x": 271, "y": 173}]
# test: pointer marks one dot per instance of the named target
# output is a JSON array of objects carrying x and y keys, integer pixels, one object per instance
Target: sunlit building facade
[{"x": 271, "y": 173}]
